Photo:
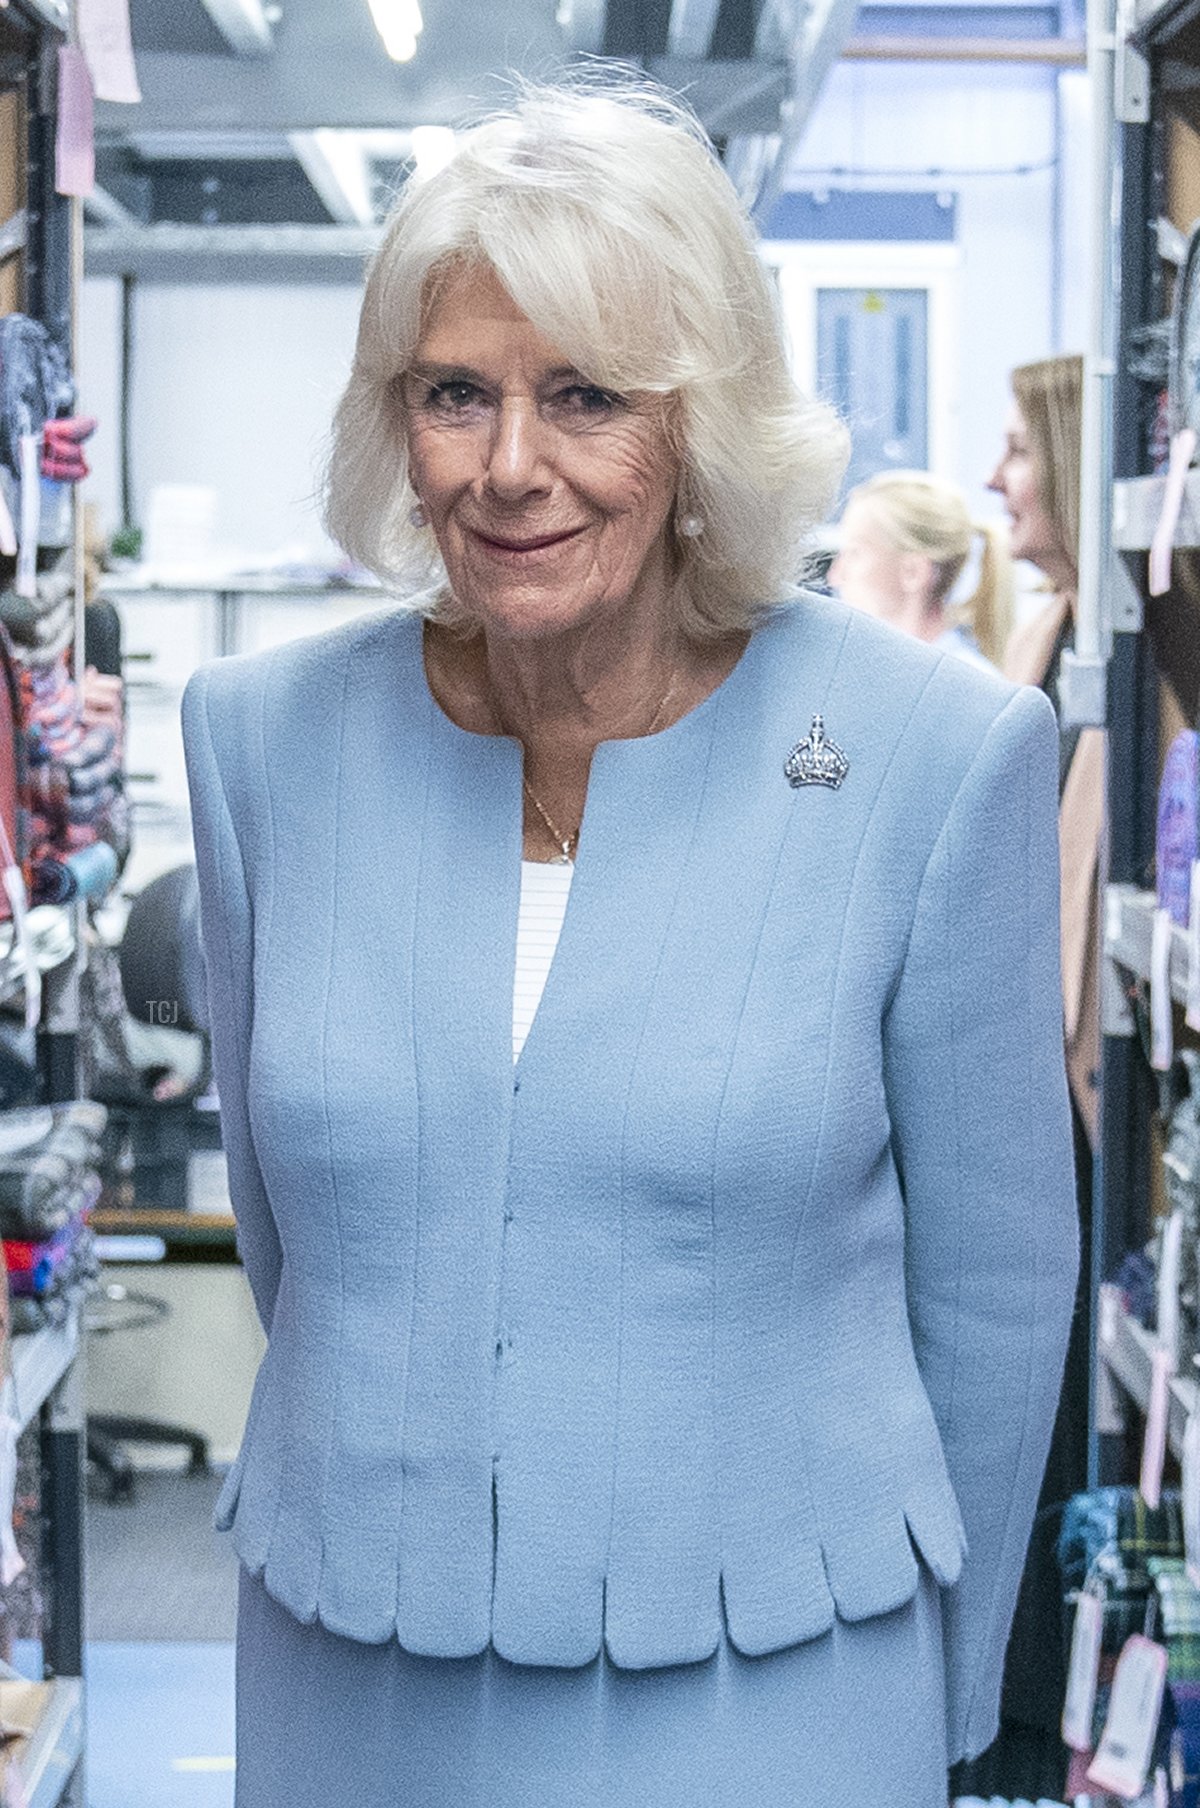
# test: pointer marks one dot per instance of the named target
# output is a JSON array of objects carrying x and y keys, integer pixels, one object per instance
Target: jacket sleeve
[
  {"x": 227, "y": 932},
  {"x": 976, "y": 1086}
]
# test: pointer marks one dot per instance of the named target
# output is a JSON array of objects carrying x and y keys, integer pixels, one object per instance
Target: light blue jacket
[{"x": 757, "y": 1270}]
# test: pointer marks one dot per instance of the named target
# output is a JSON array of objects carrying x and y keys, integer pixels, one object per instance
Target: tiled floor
[
  {"x": 160, "y": 1726},
  {"x": 160, "y": 1715},
  {"x": 160, "y": 1723}
]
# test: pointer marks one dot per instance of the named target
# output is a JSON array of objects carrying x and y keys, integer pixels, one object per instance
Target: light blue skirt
[{"x": 854, "y": 1719}]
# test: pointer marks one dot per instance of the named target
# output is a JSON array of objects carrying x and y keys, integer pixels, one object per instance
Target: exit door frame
[{"x": 804, "y": 267}]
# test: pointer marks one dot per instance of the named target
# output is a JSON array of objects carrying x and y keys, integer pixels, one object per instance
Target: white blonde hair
[
  {"x": 604, "y": 212},
  {"x": 917, "y": 512}
]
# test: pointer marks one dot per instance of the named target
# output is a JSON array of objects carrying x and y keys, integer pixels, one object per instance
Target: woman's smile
[{"x": 524, "y": 547}]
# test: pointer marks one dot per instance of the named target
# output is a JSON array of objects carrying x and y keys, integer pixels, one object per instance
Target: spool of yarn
[{"x": 87, "y": 873}]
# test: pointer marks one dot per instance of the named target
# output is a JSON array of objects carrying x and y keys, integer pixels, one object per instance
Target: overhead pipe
[{"x": 1058, "y": 53}]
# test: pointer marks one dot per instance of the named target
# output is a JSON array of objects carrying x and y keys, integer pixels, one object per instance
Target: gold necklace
[
  {"x": 568, "y": 843},
  {"x": 565, "y": 842}
]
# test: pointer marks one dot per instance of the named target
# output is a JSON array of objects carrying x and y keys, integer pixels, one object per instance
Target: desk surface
[{"x": 178, "y": 1230}]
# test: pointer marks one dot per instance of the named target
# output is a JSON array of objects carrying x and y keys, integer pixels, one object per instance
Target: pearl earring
[
  {"x": 417, "y": 515},
  {"x": 690, "y": 527}
]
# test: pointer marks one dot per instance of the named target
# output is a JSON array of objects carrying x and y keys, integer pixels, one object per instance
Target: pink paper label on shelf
[
  {"x": 108, "y": 46},
  {"x": 1122, "y": 1761},
  {"x": 75, "y": 144},
  {"x": 1162, "y": 1027},
  {"x": 1190, "y": 1492},
  {"x": 8, "y": 533},
  {"x": 1084, "y": 1672},
  {"x": 1192, "y": 1018},
  {"x": 1183, "y": 449},
  {"x": 29, "y": 455},
  {"x": 1154, "y": 1449}
]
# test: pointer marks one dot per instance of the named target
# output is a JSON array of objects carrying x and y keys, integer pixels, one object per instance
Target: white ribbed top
[{"x": 544, "y": 892}]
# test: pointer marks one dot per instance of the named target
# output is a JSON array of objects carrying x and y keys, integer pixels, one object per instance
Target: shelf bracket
[
  {"x": 1126, "y": 609},
  {"x": 1116, "y": 1012},
  {"x": 1083, "y": 691},
  {"x": 13, "y": 233},
  {"x": 1131, "y": 72}
]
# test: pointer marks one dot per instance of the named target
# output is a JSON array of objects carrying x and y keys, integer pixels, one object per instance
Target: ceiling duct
[{"x": 692, "y": 23}]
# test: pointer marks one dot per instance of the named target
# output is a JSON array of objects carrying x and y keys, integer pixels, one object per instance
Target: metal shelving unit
[
  {"x": 40, "y": 1363},
  {"x": 45, "y": 1386},
  {"x": 51, "y": 1759},
  {"x": 1126, "y": 1354},
  {"x": 1137, "y": 506},
  {"x": 1138, "y": 49},
  {"x": 1128, "y": 928}
]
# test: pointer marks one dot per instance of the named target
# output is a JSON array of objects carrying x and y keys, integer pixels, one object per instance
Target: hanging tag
[
  {"x": 1162, "y": 1793},
  {"x": 14, "y": 887},
  {"x": 1162, "y": 1033},
  {"x": 11, "y": 1560},
  {"x": 1183, "y": 448},
  {"x": 1154, "y": 1448},
  {"x": 8, "y": 533},
  {"x": 74, "y": 141},
  {"x": 1167, "y": 1286},
  {"x": 108, "y": 46},
  {"x": 1193, "y": 965},
  {"x": 1177, "y": 1761},
  {"x": 30, "y": 460},
  {"x": 15, "y": 1793},
  {"x": 1084, "y": 1672},
  {"x": 1123, "y": 1757},
  {"x": 1190, "y": 1491}
]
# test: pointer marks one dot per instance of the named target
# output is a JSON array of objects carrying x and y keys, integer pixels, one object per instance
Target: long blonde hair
[
  {"x": 1049, "y": 395},
  {"x": 919, "y": 513}
]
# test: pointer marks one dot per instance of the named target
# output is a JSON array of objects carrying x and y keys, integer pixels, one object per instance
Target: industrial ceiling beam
[
  {"x": 692, "y": 23},
  {"x": 55, "y": 13},
  {"x": 582, "y": 25},
  {"x": 1058, "y": 53},
  {"x": 340, "y": 171},
  {"x": 817, "y": 34},
  {"x": 735, "y": 32},
  {"x": 231, "y": 253},
  {"x": 636, "y": 29},
  {"x": 243, "y": 24},
  {"x": 728, "y": 98},
  {"x": 104, "y": 208}
]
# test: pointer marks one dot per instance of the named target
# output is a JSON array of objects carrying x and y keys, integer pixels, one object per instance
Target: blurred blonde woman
[{"x": 906, "y": 537}]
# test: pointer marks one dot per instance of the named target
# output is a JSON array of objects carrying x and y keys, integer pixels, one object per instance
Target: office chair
[{"x": 162, "y": 976}]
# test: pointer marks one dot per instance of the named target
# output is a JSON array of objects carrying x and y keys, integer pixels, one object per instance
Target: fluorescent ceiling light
[
  {"x": 399, "y": 24},
  {"x": 432, "y": 148}
]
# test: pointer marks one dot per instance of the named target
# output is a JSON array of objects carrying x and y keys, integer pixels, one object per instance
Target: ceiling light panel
[{"x": 399, "y": 24}]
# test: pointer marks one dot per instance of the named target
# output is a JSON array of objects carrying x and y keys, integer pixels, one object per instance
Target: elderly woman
[{"x": 656, "y": 1419}]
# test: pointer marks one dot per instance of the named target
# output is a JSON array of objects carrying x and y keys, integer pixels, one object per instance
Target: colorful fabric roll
[
  {"x": 36, "y": 1268},
  {"x": 1179, "y": 1617}
]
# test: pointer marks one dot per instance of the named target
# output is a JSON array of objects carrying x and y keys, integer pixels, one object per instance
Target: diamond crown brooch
[{"x": 816, "y": 760}]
